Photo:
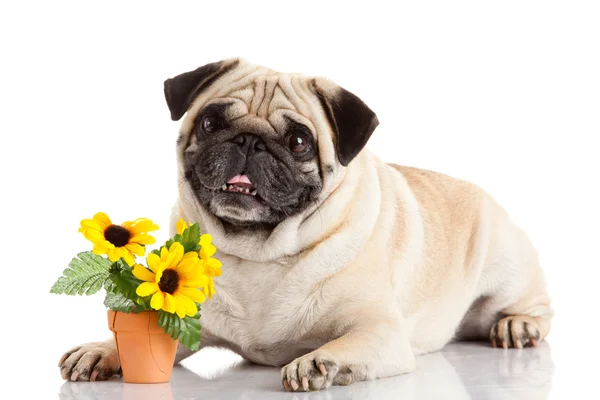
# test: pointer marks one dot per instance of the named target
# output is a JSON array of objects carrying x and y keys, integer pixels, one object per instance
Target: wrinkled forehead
[{"x": 262, "y": 97}]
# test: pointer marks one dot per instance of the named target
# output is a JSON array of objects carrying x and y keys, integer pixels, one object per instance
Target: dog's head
[{"x": 258, "y": 146}]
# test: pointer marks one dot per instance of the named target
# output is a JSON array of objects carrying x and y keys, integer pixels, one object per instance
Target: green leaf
[
  {"x": 118, "y": 302},
  {"x": 190, "y": 333},
  {"x": 85, "y": 275},
  {"x": 187, "y": 330},
  {"x": 122, "y": 281},
  {"x": 167, "y": 322},
  {"x": 189, "y": 239}
]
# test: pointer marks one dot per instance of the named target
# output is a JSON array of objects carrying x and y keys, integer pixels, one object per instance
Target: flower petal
[
  {"x": 143, "y": 273},
  {"x": 179, "y": 306},
  {"x": 205, "y": 240},
  {"x": 175, "y": 254},
  {"x": 136, "y": 248},
  {"x": 214, "y": 272},
  {"x": 153, "y": 262},
  {"x": 142, "y": 225},
  {"x": 157, "y": 301},
  {"x": 212, "y": 266},
  {"x": 164, "y": 253},
  {"x": 113, "y": 254},
  {"x": 190, "y": 274},
  {"x": 193, "y": 294},
  {"x": 214, "y": 263},
  {"x": 159, "y": 272},
  {"x": 92, "y": 224},
  {"x": 198, "y": 281},
  {"x": 210, "y": 288},
  {"x": 105, "y": 244},
  {"x": 99, "y": 248},
  {"x": 169, "y": 305},
  {"x": 207, "y": 251},
  {"x": 92, "y": 235},
  {"x": 128, "y": 257},
  {"x": 103, "y": 219},
  {"x": 121, "y": 252},
  {"x": 146, "y": 289},
  {"x": 142, "y": 238},
  {"x": 181, "y": 225},
  {"x": 189, "y": 307},
  {"x": 190, "y": 254},
  {"x": 187, "y": 264}
]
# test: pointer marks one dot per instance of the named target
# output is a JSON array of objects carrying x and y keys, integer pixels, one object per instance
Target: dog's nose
[{"x": 249, "y": 141}]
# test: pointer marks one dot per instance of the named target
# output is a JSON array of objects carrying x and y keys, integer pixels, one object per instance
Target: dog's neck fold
[{"x": 314, "y": 227}]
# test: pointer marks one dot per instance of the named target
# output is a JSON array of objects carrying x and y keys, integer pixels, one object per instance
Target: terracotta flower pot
[{"x": 146, "y": 352}]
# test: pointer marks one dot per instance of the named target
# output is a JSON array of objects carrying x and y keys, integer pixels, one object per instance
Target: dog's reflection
[
  {"x": 465, "y": 371},
  {"x": 503, "y": 374},
  {"x": 461, "y": 371}
]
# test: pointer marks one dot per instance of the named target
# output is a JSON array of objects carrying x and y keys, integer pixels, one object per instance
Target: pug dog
[{"x": 337, "y": 266}]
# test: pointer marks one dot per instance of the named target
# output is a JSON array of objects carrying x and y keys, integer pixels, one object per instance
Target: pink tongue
[{"x": 240, "y": 179}]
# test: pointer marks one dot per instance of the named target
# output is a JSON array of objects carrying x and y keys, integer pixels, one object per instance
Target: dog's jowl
[{"x": 337, "y": 267}]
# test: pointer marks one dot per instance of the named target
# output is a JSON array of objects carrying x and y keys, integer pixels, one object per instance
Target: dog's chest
[{"x": 255, "y": 314}]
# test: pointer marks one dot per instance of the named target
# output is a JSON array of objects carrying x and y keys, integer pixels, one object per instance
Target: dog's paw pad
[
  {"x": 516, "y": 331},
  {"x": 350, "y": 374},
  {"x": 90, "y": 362},
  {"x": 313, "y": 371}
]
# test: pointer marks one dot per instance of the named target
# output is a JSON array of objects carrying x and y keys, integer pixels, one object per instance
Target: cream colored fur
[
  {"x": 391, "y": 262},
  {"x": 386, "y": 268}
]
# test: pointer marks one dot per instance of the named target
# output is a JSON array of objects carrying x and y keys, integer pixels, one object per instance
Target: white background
[{"x": 504, "y": 94}]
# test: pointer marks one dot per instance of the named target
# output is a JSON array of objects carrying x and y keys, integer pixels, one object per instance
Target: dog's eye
[
  {"x": 297, "y": 142},
  {"x": 209, "y": 124}
]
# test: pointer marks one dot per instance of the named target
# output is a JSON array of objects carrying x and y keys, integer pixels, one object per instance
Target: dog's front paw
[
  {"x": 90, "y": 362},
  {"x": 515, "y": 331},
  {"x": 314, "y": 371}
]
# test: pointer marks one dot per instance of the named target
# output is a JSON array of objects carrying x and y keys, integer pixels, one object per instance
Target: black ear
[
  {"x": 351, "y": 119},
  {"x": 181, "y": 90}
]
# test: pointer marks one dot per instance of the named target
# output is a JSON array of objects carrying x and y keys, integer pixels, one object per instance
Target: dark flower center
[
  {"x": 169, "y": 281},
  {"x": 117, "y": 235}
]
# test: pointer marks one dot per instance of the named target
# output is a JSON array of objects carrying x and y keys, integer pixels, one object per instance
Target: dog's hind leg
[
  {"x": 513, "y": 307},
  {"x": 526, "y": 321}
]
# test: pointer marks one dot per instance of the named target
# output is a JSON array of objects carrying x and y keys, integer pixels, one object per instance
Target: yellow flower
[
  {"x": 173, "y": 280},
  {"x": 207, "y": 249},
  {"x": 181, "y": 225},
  {"x": 210, "y": 265},
  {"x": 118, "y": 241},
  {"x": 210, "y": 290}
]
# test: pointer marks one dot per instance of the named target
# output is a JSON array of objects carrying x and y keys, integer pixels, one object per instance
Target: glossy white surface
[
  {"x": 460, "y": 371},
  {"x": 503, "y": 94}
]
